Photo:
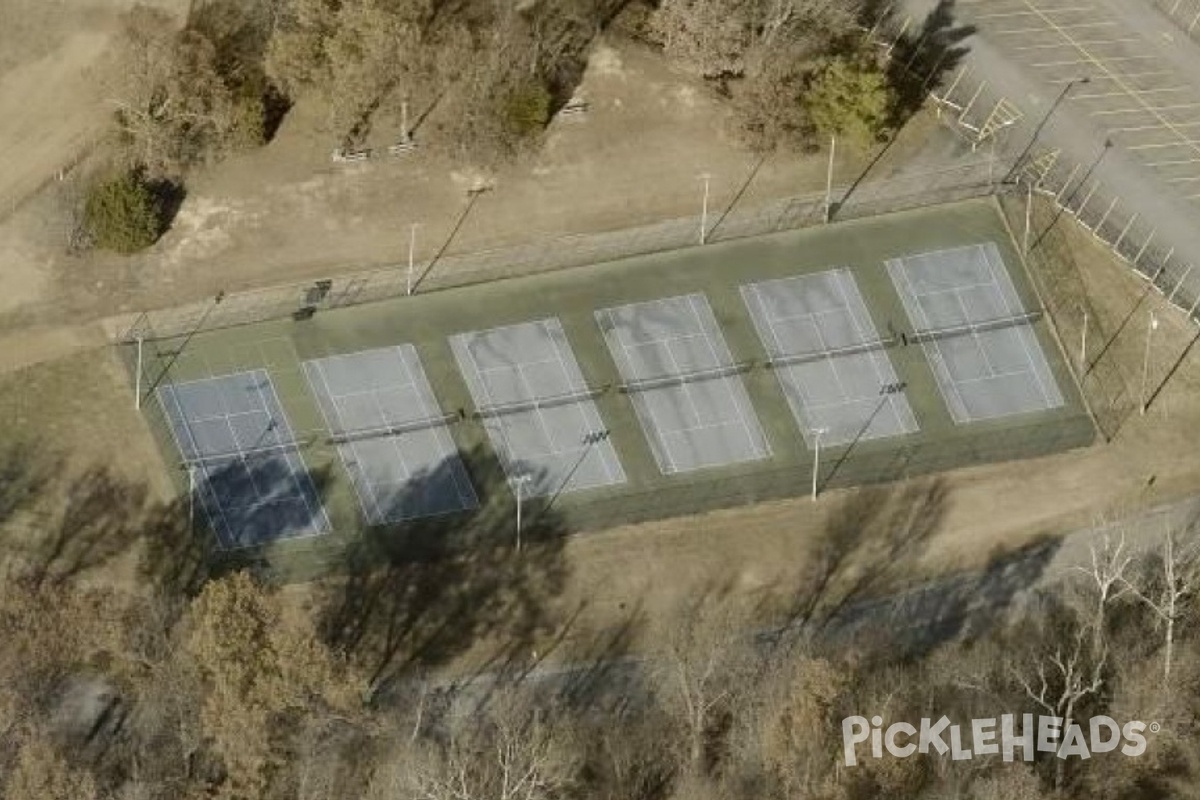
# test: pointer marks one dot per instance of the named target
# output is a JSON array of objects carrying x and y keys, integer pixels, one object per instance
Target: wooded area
[
  {"x": 476, "y": 81},
  {"x": 203, "y": 685}
]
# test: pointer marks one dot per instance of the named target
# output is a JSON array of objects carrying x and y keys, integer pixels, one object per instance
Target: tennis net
[
  {"x": 1024, "y": 318},
  {"x": 535, "y": 403},
  {"x": 683, "y": 378},
  {"x": 383, "y": 431},
  {"x": 792, "y": 359},
  {"x": 219, "y": 460}
]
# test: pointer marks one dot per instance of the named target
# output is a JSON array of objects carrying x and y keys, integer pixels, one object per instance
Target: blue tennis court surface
[
  {"x": 391, "y": 435},
  {"x": 249, "y": 477}
]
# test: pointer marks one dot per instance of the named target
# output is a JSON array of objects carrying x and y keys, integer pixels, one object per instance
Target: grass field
[{"x": 427, "y": 320}]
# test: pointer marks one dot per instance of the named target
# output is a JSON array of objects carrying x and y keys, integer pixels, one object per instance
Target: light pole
[
  {"x": 1083, "y": 345},
  {"x": 1028, "y": 218},
  {"x": 1150, "y": 329},
  {"x": 992, "y": 157},
  {"x": 519, "y": 485},
  {"x": 817, "y": 433},
  {"x": 191, "y": 499},
  {"x": 137, "y": 400},
  {"x": 1037, "y": 131},
  {"x": 704, "y": 210},
  {"x": 590, "y": 440},
  {"x": 412, "y": 249},
  {"x": 829, "y": 180}
]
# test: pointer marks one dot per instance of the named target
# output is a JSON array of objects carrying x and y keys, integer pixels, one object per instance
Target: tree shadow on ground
[
  {"x": 870, "y": 537},
  {"x": 168, "y": 199},
  {"x": 961, "y": 607},
  {"x": 419, "y": 593},
  {"x": 921, "y": 56},
  {"x": 857, "y": 591},
  {"x": 60, "y": 525}
]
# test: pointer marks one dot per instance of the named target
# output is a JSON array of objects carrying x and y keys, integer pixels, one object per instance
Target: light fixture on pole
[
  {"x": 519, "y": 488},
  {"x": 1042, "y": 124},
  {"x": 1150, "y": 329},
  {"x": 817, "y": 433},
  {"x": 1083, "y": 345},
  {"x": 993, "y": 135},
  {"x": 412, "y": 249},
  {"x": 704, "y": 210},
  {"x": 137, "y": 399},
  {"x": 829, "y": 180},
  {"x": 191, "y": 499}
]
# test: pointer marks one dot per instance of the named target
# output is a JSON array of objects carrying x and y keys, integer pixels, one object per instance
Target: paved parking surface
[{"x": 1140, "y": 100}]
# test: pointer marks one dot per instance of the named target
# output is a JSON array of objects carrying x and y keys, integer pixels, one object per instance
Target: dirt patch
[
  {"x": 286, "y": 213},
  {"x": 73, "y": 439}
]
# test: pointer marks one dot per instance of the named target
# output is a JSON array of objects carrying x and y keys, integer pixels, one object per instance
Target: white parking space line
[
  {"x": 1139, "y": 128},
  {"x": 1173, "y": 163},
  {"x": 1144, "y": 109},
  {"x": 1089, "y": 60},
  {"x": 1116, "y": 77},
  {"x": 1026, "y": 12},
  {"x": 1188, "y": 143},
  {"x": 1060, "y": 43},
  {"x": 1027, "y": 31},
  {"x": 1100, "y": 95}
]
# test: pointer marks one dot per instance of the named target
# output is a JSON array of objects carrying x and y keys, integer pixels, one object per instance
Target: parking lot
[{"x": 1139, "y": 100}]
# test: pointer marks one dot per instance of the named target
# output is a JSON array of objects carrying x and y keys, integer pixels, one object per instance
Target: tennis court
[
  {"x": 243, "y": 459},
  {"x": 976, "y": 332},
  {"x": 537, "y": 409},
  {"x": 830, "y": 361},
  {"x": 391, "y": 435},
  {"x": 684, "y": 383},
  {"x": 659, "y": 385}
]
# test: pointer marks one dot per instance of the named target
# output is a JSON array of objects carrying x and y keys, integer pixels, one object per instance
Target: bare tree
[
  {"x": 509, "y": 750},
  {"x": 1106, "y": 578},
  {"x": 1176, "y": 582},
  {"x": 797, "y": 726},
  {"x": 1066, "y": 677},
  {"x": 173, "y": 109},
  {"x": 705, "y": 661},
  {"x": 43, "y": 774},
  {"x": 709, "y": 37}
]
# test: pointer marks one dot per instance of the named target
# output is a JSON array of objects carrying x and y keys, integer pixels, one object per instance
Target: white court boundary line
[
  {"x": 754, "y": 296},
  {"x": 297, "y": 468},
  {"x": 497, "y": 427},
  {"x": 659, "y": 435},
  {"x": 351, "y": 452},
  {"x": 1001, "y": 284}
]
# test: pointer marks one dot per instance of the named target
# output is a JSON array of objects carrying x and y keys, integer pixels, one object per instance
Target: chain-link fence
[
  {"x": 973, "y": 178},
  {"x": 1099, "y": 209}
]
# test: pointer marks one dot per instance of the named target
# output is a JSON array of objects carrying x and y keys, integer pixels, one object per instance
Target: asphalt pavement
[{"x": 1141, "y": 98}]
